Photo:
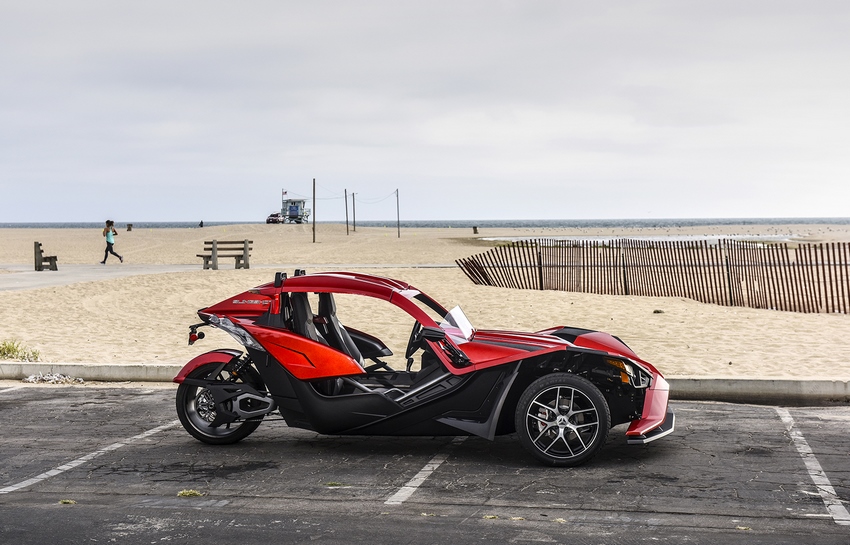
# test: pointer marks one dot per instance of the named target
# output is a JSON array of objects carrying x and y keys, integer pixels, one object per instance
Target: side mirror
[{"x": 435, "y": 334}]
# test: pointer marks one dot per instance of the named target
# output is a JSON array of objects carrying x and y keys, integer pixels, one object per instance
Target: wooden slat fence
[{"x": 806, "y": 278}]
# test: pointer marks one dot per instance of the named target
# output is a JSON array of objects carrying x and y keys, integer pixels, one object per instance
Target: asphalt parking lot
[{"x": 730, "y": 473}]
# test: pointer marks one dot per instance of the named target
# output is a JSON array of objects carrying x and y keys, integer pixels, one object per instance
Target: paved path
[
  {"x": 22, "y": 277},
  {"x": 729, "y": 474}
]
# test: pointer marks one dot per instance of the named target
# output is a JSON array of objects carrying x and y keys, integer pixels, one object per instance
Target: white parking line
[
  {"x": 408, "y": 489},
  {"x": 827, "y": 493},
  {"x": 10, "y": 389},
  {"x": 79, "y": 461}
]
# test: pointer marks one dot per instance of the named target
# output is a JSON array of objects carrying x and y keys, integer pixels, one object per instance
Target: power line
[
  {"x": 374, "y": 201},
  {"x": 339, "y": 194},
  {"x": 306, "y": 198}
]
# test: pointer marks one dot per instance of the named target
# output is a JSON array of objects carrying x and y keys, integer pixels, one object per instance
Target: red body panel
[
  {"x": 246, "y": 303},
  {"x": 654, "y": 407},
  {"x": 529, "y": 340},
  {"x": 598, "y": 340},
  {"x": 491, "y": 348},
  {"x": 480, "y": 353},
  {"x": 304, "y": 358}
]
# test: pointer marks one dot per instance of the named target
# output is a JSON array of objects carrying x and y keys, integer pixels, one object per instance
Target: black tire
[
  {"x": 562, "y": 419},
  {"x": 196, "y": 409}
]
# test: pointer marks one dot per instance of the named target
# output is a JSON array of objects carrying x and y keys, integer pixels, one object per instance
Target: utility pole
[
  {"x": 314, "y": 210},
  {"x": 397, "y": 214},
  {"x": 346, "y": 212},
  {"x": 353, "y": 213}
]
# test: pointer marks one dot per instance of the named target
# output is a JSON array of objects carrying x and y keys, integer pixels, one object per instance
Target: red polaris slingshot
[{"x": 560, "y": 389}]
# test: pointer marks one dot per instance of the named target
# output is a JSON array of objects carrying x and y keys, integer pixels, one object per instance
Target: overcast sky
[{"x": 182, "y": 111}]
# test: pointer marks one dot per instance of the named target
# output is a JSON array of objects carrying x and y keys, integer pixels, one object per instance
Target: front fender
[
  {"x": 657, "y": 419},
  {"x": 221, "y": 355}
]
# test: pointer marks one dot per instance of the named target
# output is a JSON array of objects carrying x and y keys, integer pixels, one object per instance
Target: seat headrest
[
  {"x": 327, "y": 306},
  {"x": 300, "y": 303}
]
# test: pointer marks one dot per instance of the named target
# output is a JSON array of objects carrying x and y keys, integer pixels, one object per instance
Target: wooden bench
[
  {"x": 41, "y": 260},
  {"x": 240, "y": 250}
]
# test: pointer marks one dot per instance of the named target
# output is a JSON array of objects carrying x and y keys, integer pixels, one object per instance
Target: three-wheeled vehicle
[{"x": 560, "y": 389}]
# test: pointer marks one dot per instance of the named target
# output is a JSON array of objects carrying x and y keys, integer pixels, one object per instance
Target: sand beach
[{"x": 143, "y": 316}]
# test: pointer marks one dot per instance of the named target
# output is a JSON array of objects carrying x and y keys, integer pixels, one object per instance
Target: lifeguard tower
[{"x": 293, "y": 210}]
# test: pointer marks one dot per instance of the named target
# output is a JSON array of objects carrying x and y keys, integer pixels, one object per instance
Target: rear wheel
[
  {"x": 196, "y": 406},
  {"x": 562, "y": 419}
]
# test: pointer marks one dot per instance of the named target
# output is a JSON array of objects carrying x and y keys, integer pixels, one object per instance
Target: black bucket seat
[
  {"x": 303, "y": 318},
  {"x": 334, "y": 333}
]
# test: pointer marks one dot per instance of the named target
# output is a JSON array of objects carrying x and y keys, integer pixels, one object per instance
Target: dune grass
[{"x": 15, "y": 350}]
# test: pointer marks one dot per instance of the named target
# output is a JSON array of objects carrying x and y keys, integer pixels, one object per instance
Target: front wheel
[
  {"x": 562, "y": 419},
  {"x": 196, "y": 406}
]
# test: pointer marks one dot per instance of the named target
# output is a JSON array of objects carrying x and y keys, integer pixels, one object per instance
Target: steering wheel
[{"x": 413, "y": 342}]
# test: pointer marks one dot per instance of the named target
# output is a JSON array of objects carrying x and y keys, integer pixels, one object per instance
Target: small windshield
[{"x": 457, "y": 326}]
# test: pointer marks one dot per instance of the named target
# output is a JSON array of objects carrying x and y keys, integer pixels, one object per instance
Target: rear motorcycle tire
[{"x": 196, "y": 408}]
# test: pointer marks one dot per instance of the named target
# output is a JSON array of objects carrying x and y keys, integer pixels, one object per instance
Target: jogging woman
[{"x": 109, "y": 232}]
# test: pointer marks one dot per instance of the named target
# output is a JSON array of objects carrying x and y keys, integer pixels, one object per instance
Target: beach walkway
[{"x": 22, "y": 277}]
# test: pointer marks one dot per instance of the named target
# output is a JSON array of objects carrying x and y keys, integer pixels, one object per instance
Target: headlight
[
  {"x": 626, "y": 370},
  {"x": 630, "y": 374},
  {"x": 242, "y": 337}
]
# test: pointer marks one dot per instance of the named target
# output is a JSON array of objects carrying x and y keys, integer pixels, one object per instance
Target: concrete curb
[
  {"x": 754, "y": 391},
  {"x": 109, "y": 372},
  {"x": 761, "y": 391}
]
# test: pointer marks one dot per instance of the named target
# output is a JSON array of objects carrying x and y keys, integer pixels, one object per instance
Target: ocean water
[
  {"x": 465, "y": 224},
  {"x": 120, "y": 224},
  {"x": 607, "y": 223}
]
